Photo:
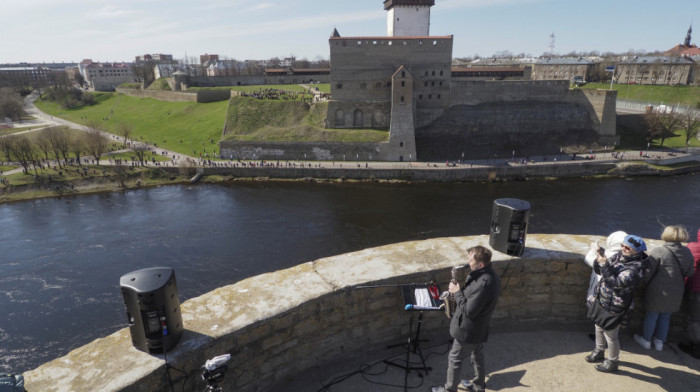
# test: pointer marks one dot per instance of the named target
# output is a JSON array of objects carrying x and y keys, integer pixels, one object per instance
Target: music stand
[{"x": 416, "y": 298}]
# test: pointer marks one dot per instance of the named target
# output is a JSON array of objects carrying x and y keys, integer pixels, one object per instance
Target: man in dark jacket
[{"x": 469, "y": 327}]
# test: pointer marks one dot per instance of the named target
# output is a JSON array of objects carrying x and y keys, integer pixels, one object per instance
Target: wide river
[{"x": 61, "y": 259}]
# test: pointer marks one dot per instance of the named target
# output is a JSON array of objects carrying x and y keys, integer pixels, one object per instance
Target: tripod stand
[{"x": 412, "y": 345}]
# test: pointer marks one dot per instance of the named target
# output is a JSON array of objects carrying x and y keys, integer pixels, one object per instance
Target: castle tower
[
  {"x": 408, "y": 18},
  {"x": 402, "y": 137}
]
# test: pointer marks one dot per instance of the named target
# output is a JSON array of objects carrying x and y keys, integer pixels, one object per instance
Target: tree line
[{"x": 663, "y": 124}]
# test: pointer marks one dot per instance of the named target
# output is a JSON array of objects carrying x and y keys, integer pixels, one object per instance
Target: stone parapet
[{"x": 278, "y": 324}]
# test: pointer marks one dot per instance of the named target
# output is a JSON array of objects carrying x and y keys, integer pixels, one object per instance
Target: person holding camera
[
  {"x": 469, "y": 327},
  {"x": 692, "y": 347},
  {"x": 619, "y": 276},
  {"x": 669, "y": 264}
]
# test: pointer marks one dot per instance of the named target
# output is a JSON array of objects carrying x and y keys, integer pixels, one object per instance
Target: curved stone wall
[{"x": 278, "y": 324}]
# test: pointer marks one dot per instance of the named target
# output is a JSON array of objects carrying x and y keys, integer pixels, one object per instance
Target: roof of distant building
[
  {"x": 657, "y": 60},
  {"x": 565, "y": 61}
]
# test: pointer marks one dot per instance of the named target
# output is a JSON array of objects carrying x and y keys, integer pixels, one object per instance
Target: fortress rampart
[
  {"x": 278, "y": 324},
  {"x": 200, "y": 96}
]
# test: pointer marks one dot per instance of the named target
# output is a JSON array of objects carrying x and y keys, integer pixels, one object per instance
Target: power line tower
[{"x": 551, "y": 45}]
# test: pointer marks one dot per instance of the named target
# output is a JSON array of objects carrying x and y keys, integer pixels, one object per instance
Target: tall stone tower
[{"x": 408, "y": 18}]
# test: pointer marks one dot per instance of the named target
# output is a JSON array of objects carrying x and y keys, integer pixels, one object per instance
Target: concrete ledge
[{"x": 278, "y": 324}]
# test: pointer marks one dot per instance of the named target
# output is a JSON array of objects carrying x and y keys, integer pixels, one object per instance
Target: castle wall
[
  {"x": 601, "y": 105},
  {"x": 201, "y": 96},
  {"x": 343, "y": 115},
  {"x": 291, "y": 151},
  {"x": 274, "y": 330},
  {"x": 478, "y": 92},
  {"x": 361, "y": 67}
]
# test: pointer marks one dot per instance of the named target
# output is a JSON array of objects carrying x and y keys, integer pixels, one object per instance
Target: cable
[{"x": 364, "y": 369}]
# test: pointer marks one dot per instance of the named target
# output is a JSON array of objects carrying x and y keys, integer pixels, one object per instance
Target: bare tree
[
  {"x": 96, "y": 144},
  {"x": 11, "y": 104},
  {"x": 23, "y": 152},
  {"x": 59, "y": 141},
  {"x": 662, "y": 125},
  {"x": 78, "y": 147},
  {"x": 5, "y": 147},
  {"x": 689, "y": 125},
  {"x": 42, "y": 142},
  {"x": 125, "y": 130},
  {"x": 140, "y": 151}
]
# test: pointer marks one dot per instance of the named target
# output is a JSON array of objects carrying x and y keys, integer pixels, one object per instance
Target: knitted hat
[
  {"x": 614, "y": 242},
  {"x": 635, "y": 242}
]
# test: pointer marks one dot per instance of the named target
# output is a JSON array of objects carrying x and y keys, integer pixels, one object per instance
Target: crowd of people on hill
[{"x": 274, "y": 94}]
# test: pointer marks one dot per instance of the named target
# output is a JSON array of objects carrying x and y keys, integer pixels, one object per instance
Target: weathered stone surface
[{"x": 278, "y": 324}]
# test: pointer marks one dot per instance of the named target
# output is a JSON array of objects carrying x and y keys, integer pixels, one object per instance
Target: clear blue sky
[{"x": 106, "y": 30}]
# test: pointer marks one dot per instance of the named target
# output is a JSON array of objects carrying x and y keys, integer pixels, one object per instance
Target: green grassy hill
[
  {"x": 251, "y": 119},
  {"x": 183, "y": 127}
]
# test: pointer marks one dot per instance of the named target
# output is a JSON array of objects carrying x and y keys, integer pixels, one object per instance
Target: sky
[{"x": 38, "y": 31}]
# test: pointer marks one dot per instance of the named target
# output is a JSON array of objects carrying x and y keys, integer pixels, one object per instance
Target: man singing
[{"x": 470, "y": 323}]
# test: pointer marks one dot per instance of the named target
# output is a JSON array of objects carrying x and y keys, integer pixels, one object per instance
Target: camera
[
  {"x": 214, "y": 371},
  {"x": 601, "y": 251}
]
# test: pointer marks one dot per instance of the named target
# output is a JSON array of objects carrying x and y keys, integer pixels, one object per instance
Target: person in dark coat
[
  {"x": 620, "y": 275},
  {"x": 469, "y": 327},
  {"x": 669, "y": 265},
  {"x": 692, "y": 287}
]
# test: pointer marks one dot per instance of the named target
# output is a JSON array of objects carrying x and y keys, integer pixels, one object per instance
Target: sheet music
[{"x": 423, "y": 297}]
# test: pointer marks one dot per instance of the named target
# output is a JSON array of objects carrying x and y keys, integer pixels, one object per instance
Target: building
[
  {"x": 157, "y": 58},
  {"x": 562, "y": 69},
  {"x": 105, "y": 76},
  {"x": 297, "y": 75},
  {"x": 405, "y": 83},
  {"x": 659, "y": 70},
  {"x": 23, "y": 74}
]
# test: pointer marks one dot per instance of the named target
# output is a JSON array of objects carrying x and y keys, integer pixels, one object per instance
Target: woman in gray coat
[{"x": 670, "y": 265}]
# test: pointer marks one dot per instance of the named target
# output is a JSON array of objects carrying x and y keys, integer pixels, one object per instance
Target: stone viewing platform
[{"x": 298, "y": 328}]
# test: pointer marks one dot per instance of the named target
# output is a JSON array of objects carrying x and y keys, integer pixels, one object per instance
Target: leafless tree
[
  {"x": 125, "y": 130},
  {"x": 96, "y": 144},
  {"x": 662, "y": 125},
  {"x": 42, "y": 142},
  {"x": 77, "y": 146},
  {"x": 11, "y": 104},
  {"x": 140, "y": 151},
  {"x": 5, "y": 147},
  {"x": 23, "y": 152},
  {"x": 689, "y": 125},
  {"x": 59, "y": 141}
]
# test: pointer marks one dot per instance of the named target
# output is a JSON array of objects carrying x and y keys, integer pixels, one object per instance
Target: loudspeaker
[
  {"x": 152, "y": 308},
  {"x": 509, "y": 225}
]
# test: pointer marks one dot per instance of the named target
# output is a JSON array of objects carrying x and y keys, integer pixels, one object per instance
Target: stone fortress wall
[{"x": 283, "y": 323}]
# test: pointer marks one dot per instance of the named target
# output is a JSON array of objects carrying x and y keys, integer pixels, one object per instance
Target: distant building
[
  {"x": 206, "y": 59},
  {"x": 105, "y": 76},
  {"x": 684, "y": 50},
  {"x": 25, "y": 74},
  {"x": 158, "y": 58},
  {"x": 655, "y": 70},
  {"x": 562, "y": 69}
]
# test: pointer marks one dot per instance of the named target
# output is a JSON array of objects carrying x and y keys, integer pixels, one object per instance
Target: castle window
[
  {"x": 441, "y": 83},
  {"x": 438, "y": 96},
  {"x": 403, "y": 74},
  {"x": 401, "y": 144},
  {"x": 402, "y": 100},
  {"x": 430, "y": 96},
  {"x": 433, "y": 73},
  {"x": 426, "y": 73},
  {"x": 440, "y": 73},
  {"x": 432, "y": 83},
  {"x": 339, "y": 118},
  {"x": 357, "y": 118},
  {"x": 363, "y": 86},
  {"x": 420, "y": 96},
  {"x": 388, "y": 84},
  {"x": 425, "y": 84},
  {"x": 403, "y": 84},
  {"x": 339, "y": 85},
  {"x": 378, "y": 85}
]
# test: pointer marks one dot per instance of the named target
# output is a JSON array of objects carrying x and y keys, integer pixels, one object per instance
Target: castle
[{"x": 404, "y": 82}]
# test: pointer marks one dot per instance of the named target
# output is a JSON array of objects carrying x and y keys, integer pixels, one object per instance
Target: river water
[{"x": 61, "y": 259}]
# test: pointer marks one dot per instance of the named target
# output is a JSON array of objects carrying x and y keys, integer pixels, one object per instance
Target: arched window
[
  {"x": 357, "y": 118},
  {"x": 339, "y": 118}
]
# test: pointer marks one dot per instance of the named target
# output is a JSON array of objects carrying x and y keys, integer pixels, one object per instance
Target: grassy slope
[
  {"x": 683, "y": 95},
  {"x": 250, "y": 119},
  {"x": 183, "y": 127}
]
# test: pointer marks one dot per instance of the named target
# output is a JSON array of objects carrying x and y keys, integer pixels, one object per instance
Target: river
[{"x": 61, "y": 259}]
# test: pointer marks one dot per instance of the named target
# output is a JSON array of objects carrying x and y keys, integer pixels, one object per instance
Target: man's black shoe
[
  {"x": 607, "y": 366},
  {"x": 595, "y": 356}
]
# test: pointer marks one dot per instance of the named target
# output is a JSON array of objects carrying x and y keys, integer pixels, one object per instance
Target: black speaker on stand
[
  {"x": 509, "y": 225},
  {"x": 152, "y": 308}
]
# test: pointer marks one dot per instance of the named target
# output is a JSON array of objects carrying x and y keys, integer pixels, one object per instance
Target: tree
[
  {"x": 11, "y": 104},
  {"x": 140, "y": 151},
  {"x": 125, "y": 130},
  {"x": 59, "y": 141},
  {"x": 95, "y": 143},
  {"x": 43, "y": 143},
  {"x": 23, "y": 152},
  {"x": 5, "y": 147},
  {"x": 662, "y": 125},
  {"x": 689, "y": 125},
  {"x": 77, "y": 146}
]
